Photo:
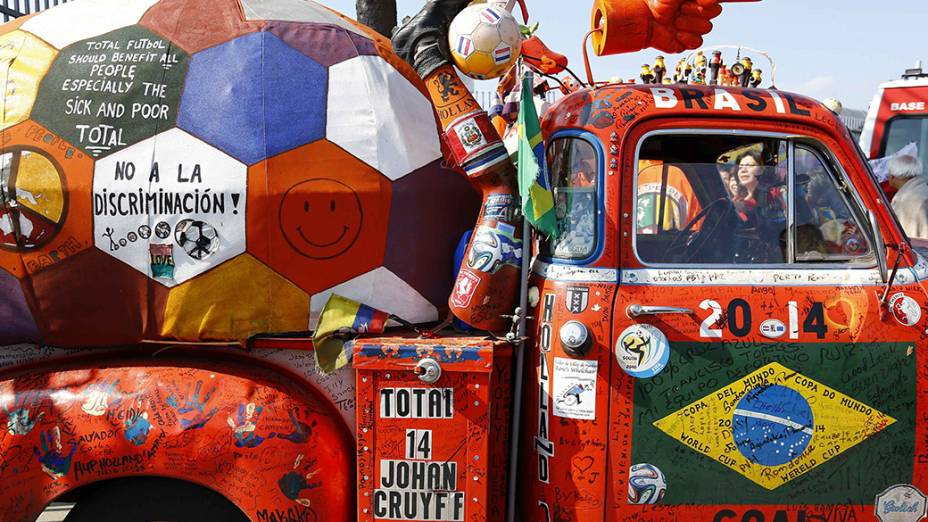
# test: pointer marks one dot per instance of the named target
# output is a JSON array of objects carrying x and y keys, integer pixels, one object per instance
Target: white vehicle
[{"x": 898, "y": 115}]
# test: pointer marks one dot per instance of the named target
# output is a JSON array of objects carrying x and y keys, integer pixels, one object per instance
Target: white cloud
[{"x": 819, "y": 87}]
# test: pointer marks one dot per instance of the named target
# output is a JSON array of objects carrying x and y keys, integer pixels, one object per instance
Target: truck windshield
[{"x": 904, "y": 130}]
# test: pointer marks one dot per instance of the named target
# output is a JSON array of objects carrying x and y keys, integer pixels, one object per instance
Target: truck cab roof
[{"x": 619, "y": 106}]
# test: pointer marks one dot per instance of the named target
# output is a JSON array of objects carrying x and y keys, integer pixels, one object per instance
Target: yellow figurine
[
  {"x": 746, "y": 75},
  {"x": 756, "y": 77},
  {"x": 678, "y": 75},
  {"x": 659, "y": 69},
  {"x": 646, "y": 75}
]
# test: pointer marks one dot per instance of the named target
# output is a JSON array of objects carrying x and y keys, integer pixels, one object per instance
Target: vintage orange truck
[{"x": 728, "y": 326}]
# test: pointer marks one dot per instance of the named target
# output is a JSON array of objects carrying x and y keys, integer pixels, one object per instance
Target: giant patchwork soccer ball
[
  {"x": 181, "y": 169},
  {"x": 485, "y": 41},
  {"x": 646, "y": 484}
]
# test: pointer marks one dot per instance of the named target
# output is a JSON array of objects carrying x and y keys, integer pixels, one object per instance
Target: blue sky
[{"x": 822, "y": 48}]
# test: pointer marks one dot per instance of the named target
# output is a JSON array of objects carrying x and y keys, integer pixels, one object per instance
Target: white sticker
[
  {"x": 574, "y": 388},
  {"x": 900, "y": 503},
  {"x": 642, "y": 351},
  {"x": 905, "y": 309},
  {"x": 171, "y": 207},
  {"x": 772, "y": 328},
  {"x": 417, "y": 403}
]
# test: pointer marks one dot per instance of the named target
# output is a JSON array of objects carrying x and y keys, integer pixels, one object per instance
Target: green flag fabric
[{"x": 537, "y": 198}]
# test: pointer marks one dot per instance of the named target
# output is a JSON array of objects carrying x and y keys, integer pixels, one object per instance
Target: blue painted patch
[
  {"x": 254, "y": 97},
  {"x": 441, "y": 353},
  {"x": 772, "y": 425}
]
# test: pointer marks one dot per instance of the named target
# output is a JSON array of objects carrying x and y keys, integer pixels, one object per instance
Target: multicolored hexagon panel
[{"x": 179, "y": 169}]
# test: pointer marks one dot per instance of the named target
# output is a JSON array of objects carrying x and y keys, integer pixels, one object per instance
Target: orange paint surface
[
  {"x": 46, "y": 240},
  {"x": 317, "y": 215}
]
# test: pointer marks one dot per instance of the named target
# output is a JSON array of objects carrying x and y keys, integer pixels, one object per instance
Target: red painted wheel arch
[{"x": 269, "y": 443}]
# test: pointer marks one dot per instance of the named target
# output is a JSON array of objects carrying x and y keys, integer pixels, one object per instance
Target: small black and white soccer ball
[{"x": 198, "y": 238}]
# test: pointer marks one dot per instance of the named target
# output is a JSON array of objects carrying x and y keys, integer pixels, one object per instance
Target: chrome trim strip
[
  {"x": 761, "y": 277},
  {"x": 574, "y": 273}
]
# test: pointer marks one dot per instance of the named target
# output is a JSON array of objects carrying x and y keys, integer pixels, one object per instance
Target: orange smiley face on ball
[{"x": 321, "y": 218}]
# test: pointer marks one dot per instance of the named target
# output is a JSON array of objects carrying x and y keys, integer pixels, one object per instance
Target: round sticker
[
  {"x": 642, "y": 351},
  {"x": 905, "y": 309},
  {"x": 772, "y": 328}
]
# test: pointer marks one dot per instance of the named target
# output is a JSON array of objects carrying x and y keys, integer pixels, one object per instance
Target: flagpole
[{"x": 519, "y": 346}]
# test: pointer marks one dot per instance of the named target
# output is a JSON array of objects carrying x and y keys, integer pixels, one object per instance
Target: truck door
[{"x": 754, "y": 376}]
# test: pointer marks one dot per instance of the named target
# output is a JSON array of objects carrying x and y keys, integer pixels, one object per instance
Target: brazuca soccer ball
[
  {"x": 485, "y": 41},
  {"x": 646, "y": 484}
]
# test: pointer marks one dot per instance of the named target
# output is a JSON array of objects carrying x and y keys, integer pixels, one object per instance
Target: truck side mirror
[{"x": 879, "y": 245}]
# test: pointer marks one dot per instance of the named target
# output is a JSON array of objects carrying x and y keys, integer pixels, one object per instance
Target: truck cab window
[
  {"x": 728, "y": 200},
  {"x": 707, "y": 199},
  {"x": 826, "y": 228},
  {"x": 900, "y": 131},
  {"x": 574, "y": 168}
]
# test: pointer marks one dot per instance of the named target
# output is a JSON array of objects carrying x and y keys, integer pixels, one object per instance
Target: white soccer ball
[
  {"x": 646, "y": 484},
  {"x": 485, "y": 41}
]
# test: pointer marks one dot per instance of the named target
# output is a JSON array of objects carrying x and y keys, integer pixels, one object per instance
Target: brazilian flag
[
  {"x": 537, "y": 198},
  {"x": 779, "y": 423}
]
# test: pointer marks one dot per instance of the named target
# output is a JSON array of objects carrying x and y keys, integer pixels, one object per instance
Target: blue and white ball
[{"x": 646, "y": 484}]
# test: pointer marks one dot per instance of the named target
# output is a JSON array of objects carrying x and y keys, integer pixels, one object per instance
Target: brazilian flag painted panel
[{"x": 744, "y": 423}]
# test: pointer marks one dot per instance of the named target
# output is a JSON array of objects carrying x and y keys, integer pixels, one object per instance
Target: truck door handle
[{"x": 634, "y": 310}]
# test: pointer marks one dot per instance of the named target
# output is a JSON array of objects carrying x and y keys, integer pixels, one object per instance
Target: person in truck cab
[{"x": 911, "y": 199}]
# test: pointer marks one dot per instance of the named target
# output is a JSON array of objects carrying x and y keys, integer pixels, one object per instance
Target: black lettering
[
  {"x": 780, "y": 516},
  {"x": 449, "y": 405},
  {"x": 389, "y": 478},
  {"x": 793, "y": 108},
  {"x": 380, "y": 508},
  {"x": 723, "y": 515},
  {"x": 435, "y": 405},
  {"x": 458, "y": 507},
  {"x": 385, "y": 398},
  {"x": 450, "y": 476},
  {"x": 409, "y": 510},
  {"x": 197, "y": 174},
  {"x": 815, "y": 321},
  {"x": 395, "y": 501},
  {"x": 426, "y": 500},
  {"x": 440, "y": 501},
  {"x": 753, "y": 515},
  {"x": 418, "y": 475},
  {"x": 745, "y": 327},
  {"x": 693, "y": 95},
  {"x": 759, "y": 102},
  {"x": 125, "y": 170},
  {"x": 417, "y": 395}
]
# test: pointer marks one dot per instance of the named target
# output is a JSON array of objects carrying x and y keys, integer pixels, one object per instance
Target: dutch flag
[
  {"x": 465, "y": 46},
  {"x": 502, "y": 54},
  {"x": 490, "y": 16}
]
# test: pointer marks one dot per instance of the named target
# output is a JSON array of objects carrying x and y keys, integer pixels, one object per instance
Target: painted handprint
[
  {"x": 243, "y": 427},
  {"x": 137, "y": 426},
  {"x": 193, "y": 414},
  {"x": 301, "y": 430},
  {"x": 53, "y": 461},
  {"x": 97, "y": 397},
  {"x": 21, "y": 419},
  {"x": 297, "y": 480}
]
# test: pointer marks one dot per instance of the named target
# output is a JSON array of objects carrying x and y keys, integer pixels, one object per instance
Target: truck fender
[{"x": 276, "y": 449}]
